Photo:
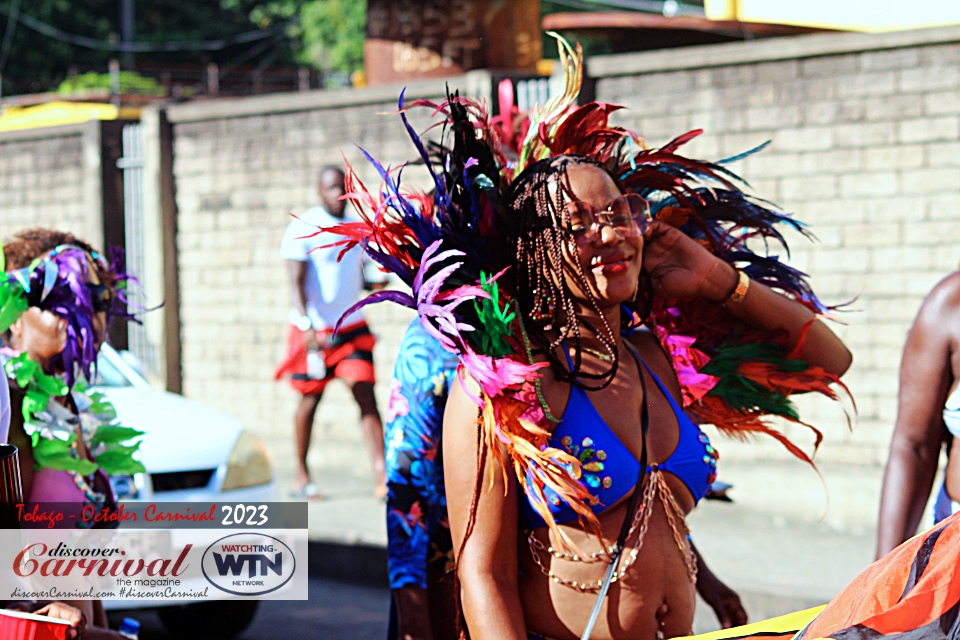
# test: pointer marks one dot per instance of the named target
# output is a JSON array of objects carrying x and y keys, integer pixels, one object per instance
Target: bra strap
[
  {"x": 627, "y": 518},
  {"x": 566, "y": 352},
  {"x": 673, "y": 403}
]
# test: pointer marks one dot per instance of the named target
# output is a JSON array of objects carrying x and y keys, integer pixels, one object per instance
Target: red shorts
[{"x": 348, "y": 356}]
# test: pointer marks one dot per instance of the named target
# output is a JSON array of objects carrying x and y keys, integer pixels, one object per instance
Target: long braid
[{"x": 540, "y": 223}]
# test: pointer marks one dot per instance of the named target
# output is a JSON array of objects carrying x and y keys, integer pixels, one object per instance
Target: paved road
[{"x": 335, "y": 611}]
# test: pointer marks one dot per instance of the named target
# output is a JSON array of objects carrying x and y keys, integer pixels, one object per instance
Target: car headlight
[{"x": 248, "y": 465}]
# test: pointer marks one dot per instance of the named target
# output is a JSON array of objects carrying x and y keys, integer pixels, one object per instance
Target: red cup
[{"x": 16, "y": 625}]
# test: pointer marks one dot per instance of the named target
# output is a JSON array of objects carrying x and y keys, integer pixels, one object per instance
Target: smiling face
[{"x": 611, "y": 261}]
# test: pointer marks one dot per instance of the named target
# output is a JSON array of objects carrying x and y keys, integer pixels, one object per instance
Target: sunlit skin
[
  {"x": 656, "y": 592},
  {"x": 504, "y": 591},
  {"x": 929, "y": 374},
  {"x": 612, "y": 261},
  {"x": 42, "y": 334}
]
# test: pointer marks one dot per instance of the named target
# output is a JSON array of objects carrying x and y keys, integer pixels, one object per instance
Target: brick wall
[
  {"x": 240, "y": 169},
  {"x": 865, "y": 148},
  {"x": 45, "y": 180}
]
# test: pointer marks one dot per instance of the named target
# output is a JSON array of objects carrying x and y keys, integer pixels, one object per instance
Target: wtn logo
[
  {"x": 257, "y": 563},
  {"x": 248, "y": 564}
]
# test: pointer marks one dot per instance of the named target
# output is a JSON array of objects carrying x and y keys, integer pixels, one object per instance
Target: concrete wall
[
  {"x": 240, "y": 169},
  {"x": 51, "y": 177}
]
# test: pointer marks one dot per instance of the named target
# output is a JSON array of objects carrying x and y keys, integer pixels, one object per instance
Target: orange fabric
[
  {"x": 876, "y": 598},
  {"x": 336, "y": 357}
]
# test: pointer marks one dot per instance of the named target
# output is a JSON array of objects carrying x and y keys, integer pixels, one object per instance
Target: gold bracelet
[{"x": 740, "y": 291}]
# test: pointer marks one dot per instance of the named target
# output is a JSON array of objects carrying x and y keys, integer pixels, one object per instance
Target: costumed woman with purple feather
[
  {"x": 56, "y": 302},
  {"x": 603, "y": 301}
]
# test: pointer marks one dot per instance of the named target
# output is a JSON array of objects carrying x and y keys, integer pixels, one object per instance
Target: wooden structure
[
  {"x": 409, "y": 39},
  {"x": 639, "y": 31}
]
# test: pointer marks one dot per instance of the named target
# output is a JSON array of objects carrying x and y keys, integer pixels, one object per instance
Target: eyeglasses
[
  {"x": 101, "y": 297},
  {"x": 629, "y": 214}
]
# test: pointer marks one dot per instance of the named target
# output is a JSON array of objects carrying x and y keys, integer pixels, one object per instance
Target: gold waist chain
[{"x": 655, "y": 485}]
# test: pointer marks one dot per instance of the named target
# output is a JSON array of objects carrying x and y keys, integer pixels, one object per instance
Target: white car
[{"x": 192, "y": 453}]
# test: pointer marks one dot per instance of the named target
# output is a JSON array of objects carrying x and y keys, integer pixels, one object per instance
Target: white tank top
[{"x": 951, "y": 413}]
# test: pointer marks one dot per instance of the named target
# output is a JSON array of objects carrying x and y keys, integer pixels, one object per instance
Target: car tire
[{"x": 219, "y": 620}]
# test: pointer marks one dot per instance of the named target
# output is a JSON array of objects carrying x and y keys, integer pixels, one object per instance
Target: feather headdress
[
  {"x": 449, "y": 249},
  {"x": 60, "y": 282}
]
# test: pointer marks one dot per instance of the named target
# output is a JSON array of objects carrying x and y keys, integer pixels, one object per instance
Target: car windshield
[{"x": 108, "y": 375}]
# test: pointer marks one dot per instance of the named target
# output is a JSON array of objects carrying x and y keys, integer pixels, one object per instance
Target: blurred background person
[
  {"x": 66, "y": 294},
  {"x": 418, "y": 534},
  {"x": 324, "y": 285}
]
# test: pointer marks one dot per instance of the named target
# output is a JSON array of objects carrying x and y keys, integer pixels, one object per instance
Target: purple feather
[{"x": 399, "y": 297}]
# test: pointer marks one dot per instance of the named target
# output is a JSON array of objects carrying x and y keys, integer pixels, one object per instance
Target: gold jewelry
[
  {"x": 604, "y": 357},
  {"x": 740, "y": 291},
  {"x": 655, "y": 486}
]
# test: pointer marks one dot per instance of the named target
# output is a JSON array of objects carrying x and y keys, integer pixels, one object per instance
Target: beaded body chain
[{"x": 655, "y": 485}]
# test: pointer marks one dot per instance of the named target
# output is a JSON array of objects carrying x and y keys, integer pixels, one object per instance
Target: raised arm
[
  {"x": 925, "y": 378},
  {"x": 680, "y": 268},
  {"x": 488, "y": 565}
]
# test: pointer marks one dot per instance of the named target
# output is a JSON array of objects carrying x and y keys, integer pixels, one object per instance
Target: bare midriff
[{"x": 634, "y": 607}]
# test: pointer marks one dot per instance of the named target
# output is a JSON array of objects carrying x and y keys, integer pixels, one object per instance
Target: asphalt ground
[{"x": 335, "y": 611}]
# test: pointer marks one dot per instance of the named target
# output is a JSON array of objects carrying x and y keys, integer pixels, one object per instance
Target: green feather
[
  {"x": 745, "y": 394},
  {"x": 53, "y": 453},
  {"x": 495, "y": 321},
  {"x": 13, "y": 304}
]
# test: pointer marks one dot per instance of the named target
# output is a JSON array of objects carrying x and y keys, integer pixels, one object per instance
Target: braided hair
[{"x": 538, "y": 226}]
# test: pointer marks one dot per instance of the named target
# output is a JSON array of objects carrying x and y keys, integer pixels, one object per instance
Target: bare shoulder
[
  {"x": 941, "y": 307},
  {"x": 946, "y": 293}
]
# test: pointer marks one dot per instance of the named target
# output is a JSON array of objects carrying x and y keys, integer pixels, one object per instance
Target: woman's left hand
[
  {"x": 723, "y": 600},
  {"x": 681, "y": 268}
]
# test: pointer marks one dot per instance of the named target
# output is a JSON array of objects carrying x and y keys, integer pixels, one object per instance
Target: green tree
[
  {"x": 54, "y": 37},
  {"x": 333, "y": 34},
  {"x": 328, "y": 36}
]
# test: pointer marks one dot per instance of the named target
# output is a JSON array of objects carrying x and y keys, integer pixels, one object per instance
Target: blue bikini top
[{"x": 609, "y": 468}]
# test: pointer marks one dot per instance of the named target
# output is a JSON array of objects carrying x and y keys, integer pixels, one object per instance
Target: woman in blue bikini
[
  {"x": 602, "y": 298},
  {"x": 515, "y": 579}
]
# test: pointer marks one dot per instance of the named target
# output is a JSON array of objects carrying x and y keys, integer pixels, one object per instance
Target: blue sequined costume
[{"x": 417, "y": 528}]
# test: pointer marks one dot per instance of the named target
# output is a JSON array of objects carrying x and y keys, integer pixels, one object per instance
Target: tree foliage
[
  {"x": 326, "y": 35},
  {"x": 329, "y": 34}
]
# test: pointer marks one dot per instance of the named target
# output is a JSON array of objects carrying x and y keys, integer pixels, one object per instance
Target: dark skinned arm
[
  {"x": 681, "y": 268},
  {"x": 297, "y": 273},
  {"x": 925, "y": 378},
  {"x": 413, "y": 613},
  {"x": 722, "y": 599},
  {"x": 488, "y": 565}
]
